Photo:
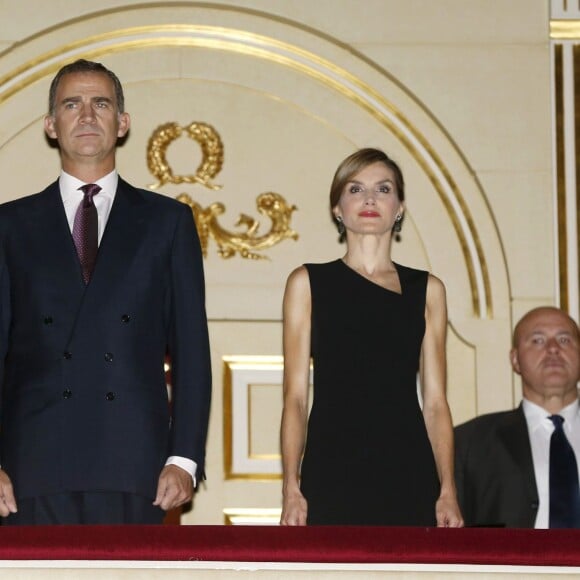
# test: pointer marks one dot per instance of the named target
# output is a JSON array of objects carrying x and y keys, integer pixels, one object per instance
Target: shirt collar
[
  {"x": 536, "y": 416},
  {"x": 69, "y": 186}
]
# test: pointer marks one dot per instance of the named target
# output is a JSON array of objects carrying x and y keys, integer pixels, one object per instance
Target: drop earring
[
  {"x": 397, "y": 226},
  {"x": 340, "y": 225}
]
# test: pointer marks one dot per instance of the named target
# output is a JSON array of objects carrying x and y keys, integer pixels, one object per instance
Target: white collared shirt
[
  {"x": 71, "y": 199},
  {"x": 540, "y": 429}
]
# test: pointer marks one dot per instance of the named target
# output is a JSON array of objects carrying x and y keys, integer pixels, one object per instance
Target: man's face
[
  {"x": 547, "y": 356},
  {"x": 86, "y": 121}
]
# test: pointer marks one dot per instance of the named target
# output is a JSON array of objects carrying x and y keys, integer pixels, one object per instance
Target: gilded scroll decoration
[{"x": 245, "y": 243}]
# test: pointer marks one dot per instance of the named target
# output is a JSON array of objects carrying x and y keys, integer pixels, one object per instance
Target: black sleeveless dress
[{"x": 368, "y": 460}]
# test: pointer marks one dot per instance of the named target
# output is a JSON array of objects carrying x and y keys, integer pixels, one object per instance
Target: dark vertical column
[{"x": 561, "y": 175}]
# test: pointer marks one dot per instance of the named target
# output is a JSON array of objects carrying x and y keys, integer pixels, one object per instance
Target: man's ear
[
  {"x": 49, "y": 126},
  {"x": 514, "y": 361},
  {"x": 124, "y": 124}
]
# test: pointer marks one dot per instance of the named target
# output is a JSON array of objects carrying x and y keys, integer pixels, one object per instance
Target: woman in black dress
[{"x": 368, "y": 454}]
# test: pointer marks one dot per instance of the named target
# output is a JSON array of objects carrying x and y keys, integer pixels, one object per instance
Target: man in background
[{"x": 519, "y": 468}]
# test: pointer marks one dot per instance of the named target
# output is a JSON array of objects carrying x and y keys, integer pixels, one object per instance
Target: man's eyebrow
[
  {"x": 563, "y": 332},
  {"x": 77, "y": 99}
]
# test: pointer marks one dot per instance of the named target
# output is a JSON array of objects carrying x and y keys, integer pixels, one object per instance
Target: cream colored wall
[{"x": 458, "y": 92}]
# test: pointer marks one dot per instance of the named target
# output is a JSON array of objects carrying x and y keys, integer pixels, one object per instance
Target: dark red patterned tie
[{"x": 86, "y": 230}]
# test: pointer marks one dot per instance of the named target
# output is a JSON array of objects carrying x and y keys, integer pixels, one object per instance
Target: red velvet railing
[{"x": 281, "y": 544}]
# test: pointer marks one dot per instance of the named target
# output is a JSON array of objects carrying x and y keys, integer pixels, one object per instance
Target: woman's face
[{"x": 369, "y": 203}]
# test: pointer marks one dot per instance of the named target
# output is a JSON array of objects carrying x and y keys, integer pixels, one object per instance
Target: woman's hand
[
  {"x": 448, "y": 513},
  {"x": 294, "y": 510}
]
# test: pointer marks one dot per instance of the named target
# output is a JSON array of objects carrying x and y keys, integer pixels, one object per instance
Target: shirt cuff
[{"x": 187, "y": 464}]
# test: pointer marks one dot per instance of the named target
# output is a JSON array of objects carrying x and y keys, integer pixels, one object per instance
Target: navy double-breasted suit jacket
[
  {"x": 84, "y": 404},
  {"x": 494, "y": 471}
]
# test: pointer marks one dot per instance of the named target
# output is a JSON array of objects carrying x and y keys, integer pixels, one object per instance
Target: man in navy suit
[
  {"x": 503, "y": 459},
  {"x": 87, "y": 432}
]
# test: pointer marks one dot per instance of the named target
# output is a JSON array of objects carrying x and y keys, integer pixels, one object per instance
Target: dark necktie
[
  {"x": 564, "y": 491},
  {"x": 86, "y": 230}
]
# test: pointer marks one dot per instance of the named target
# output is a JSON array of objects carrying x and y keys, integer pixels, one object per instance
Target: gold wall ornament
[
  {"x": 211, "y": 148},
  {"x": 272, "y": 205},
  {"x": 248, "y": 242}
]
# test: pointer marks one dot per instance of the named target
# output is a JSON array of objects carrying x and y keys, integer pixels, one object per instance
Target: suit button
[
  {"x": 109, "y": 356},
  {"x": 67, "y": 394},
  {"x": 125, "y": 318},
  {"x": 48, "y": 320},
  {"x": 534, "y": 505},
  {"x": 110, "y": 396},
  {"x": 67, "y": 354}
]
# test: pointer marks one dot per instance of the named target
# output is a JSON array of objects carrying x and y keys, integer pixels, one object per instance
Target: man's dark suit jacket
[
  {"x": 84, "y": 402},
  {"x": 494, "y": 471}
]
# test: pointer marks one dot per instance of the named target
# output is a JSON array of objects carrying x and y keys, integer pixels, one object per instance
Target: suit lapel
[
  {"x": 49, "y": 227},
  {"x": 513, "y": 433},
  {"x": 122, "y": 236}
]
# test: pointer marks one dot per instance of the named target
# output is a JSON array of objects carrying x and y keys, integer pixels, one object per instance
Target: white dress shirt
[
  {"x": 540, "y": 429},
  {"x": 71, "y": 199}
]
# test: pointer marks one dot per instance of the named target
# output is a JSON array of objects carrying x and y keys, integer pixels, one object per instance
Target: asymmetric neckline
[{"x": 359, "y": 275}]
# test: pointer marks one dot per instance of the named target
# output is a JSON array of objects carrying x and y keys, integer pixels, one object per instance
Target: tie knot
[
  {"x": 90, "y": 189},
  {"x": 557, "y": 420}
]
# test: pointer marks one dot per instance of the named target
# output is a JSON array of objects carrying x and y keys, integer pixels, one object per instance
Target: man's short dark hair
[{"x": 85, "y": 66}]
